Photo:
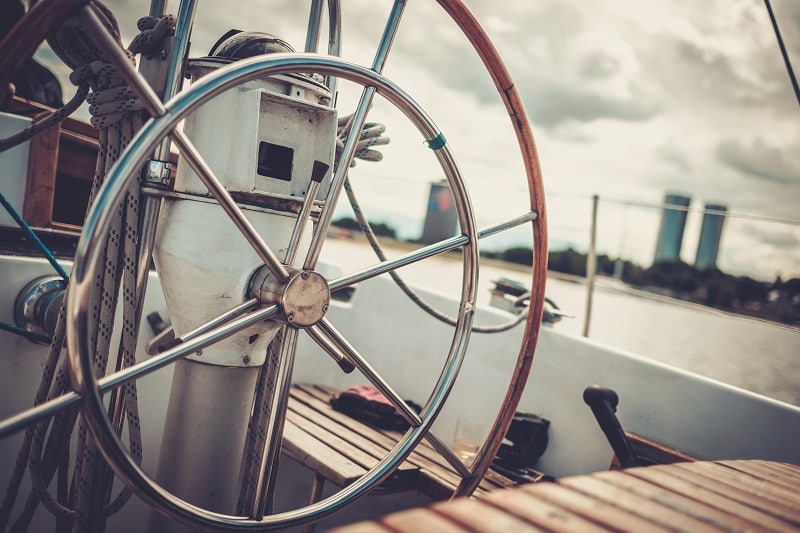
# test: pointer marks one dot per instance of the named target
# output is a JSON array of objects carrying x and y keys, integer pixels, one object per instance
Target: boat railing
[{"x": 625, "y": 232}]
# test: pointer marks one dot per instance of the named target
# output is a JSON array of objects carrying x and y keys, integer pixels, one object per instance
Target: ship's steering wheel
[{"x": 164, "y": 125}]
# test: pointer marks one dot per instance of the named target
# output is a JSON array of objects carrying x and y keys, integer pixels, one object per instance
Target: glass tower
[
  {"x": 710, "y": 234},
  {"x": 670, "y": 233}
]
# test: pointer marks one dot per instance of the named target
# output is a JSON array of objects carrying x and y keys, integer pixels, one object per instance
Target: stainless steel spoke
[
  {"x": 404, "y": 260},
  {"x": 424, "y": 253},
  {"x": 530, "y": 216},
  {"x": 339, "y": 175},
  {"x": 197, "y": 343},
  {"x": 300, "y": 224},
  {"x": 329, "y": 348},
  {"x": 198, "y": 164},
  {"x": 365, "y": 368},
  {"x": 389, "y": 32},
  {"x": 221, "y": 319},
  {"x": 51, "y": 407},
  {"x": 451, "y": 458},
  {"x": 334, "y": 33},
  {"x": 349, "y": 149},
  {"x": 312, "y": 32},
  {"x": 268, "y": 468},
  {"x": 22, "y": 420}
]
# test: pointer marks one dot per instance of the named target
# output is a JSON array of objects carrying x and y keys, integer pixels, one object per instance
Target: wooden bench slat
[
  {"x": 310, "y": 396},
  {"x": 437, "y": 478},
  {"x": 332, "y": 440},
  {"x": 328, "y": 462},
  {"x": 346, "y": 433}
]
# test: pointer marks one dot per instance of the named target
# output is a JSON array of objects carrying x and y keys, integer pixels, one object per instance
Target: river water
[{"x": 755, "y": 355}]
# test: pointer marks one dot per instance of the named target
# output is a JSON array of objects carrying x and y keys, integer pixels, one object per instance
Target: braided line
[
  {"x": 46, "y": 122},
  {"x": 118, "y": 116}
]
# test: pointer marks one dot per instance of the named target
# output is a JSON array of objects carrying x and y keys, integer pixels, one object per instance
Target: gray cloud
[
  {"x": 785, "y": 238},
  {"x": 559, "y": 83},
  {"x": 552, "y": 105},
  {"x": 598, "y": 65},
  {"x": 704, "y": 64},
  {"x": 676, "y": 157},
  {"x": 758, "y": 161}
]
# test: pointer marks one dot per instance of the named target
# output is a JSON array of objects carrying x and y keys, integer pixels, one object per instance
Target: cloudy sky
[{"x": 628, "y": 100}]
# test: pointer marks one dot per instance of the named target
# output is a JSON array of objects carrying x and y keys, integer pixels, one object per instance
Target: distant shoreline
[{"x": 601, "y": 281}]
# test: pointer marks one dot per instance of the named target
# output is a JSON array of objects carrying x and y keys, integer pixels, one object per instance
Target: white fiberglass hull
[{"x": 695, "y": 415}]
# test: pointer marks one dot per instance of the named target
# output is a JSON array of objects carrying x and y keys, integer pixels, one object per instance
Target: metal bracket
[{"x": 158, "y": 173}]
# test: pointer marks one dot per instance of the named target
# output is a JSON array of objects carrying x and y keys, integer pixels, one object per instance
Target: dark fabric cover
[{"x": 367, "y": 404}]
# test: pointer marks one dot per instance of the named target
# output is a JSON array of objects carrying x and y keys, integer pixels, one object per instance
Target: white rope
[{"x": 84, "y": 506}]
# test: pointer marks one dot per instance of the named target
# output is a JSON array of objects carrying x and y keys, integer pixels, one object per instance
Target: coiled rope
[{"x": 82, "y": 504}]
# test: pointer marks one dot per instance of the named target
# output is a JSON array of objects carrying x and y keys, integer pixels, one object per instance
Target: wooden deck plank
[
  {"x": 776, "y": 474},
  {"x": 361, "y": 527},
  {"x": 657, "y": 498},
  {"x": 763, "y": 500},
  {"x": 698, "y": 495},
  {"x": 677, "y": 501},
  {"x": 482, "y": 518},
  {"x": 422, "y": 520},
  {"x": 539, "y": 512},
  {"x": 724, "y": 473},
  {"x": 602, "y": 513},
  {"x": 788, "y": 469},
  {"x": 638, "y": 505}
]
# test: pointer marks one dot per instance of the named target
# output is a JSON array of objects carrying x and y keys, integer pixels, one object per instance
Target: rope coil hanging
[{"x": 82, "y": 504}]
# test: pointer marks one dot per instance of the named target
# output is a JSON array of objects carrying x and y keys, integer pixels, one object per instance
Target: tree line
[{"x": 778, "y": 300}]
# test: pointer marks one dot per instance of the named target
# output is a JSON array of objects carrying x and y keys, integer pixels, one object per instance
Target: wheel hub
[{"x": 303, "y": 299}]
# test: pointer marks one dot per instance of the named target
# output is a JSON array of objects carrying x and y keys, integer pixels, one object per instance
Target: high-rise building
[
  {"x": 670, "y": 233},
  {"x": 710, "y": 234},
  {"x": 441, "y": 218}
]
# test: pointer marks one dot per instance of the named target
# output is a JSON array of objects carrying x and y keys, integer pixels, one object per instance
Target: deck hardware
[
  {"x": 603, "y": 403},
  {"x": 158, "y": 173},
  {"x": 38, "y": 304}
]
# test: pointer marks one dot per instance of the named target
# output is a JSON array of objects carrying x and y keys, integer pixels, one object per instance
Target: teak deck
[
  {"x": 746, "y": 495},
  {"x": 341, "y": 449}
]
